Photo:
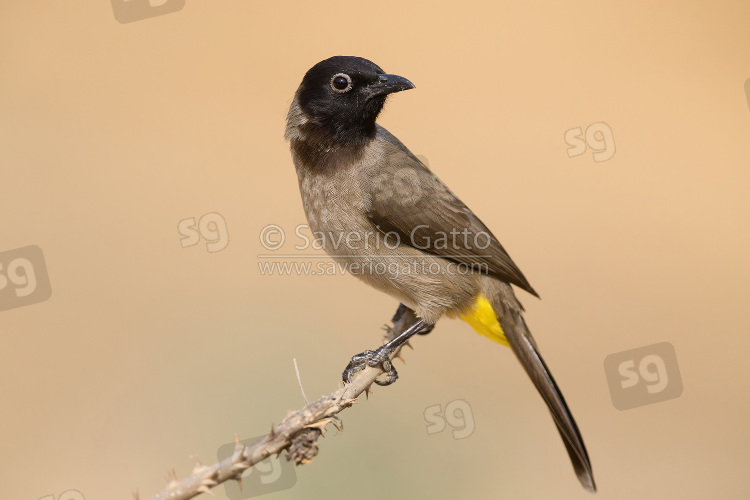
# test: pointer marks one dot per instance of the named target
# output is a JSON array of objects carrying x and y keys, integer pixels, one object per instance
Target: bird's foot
[
  {"x": 379, "y": 358},
  {"x": 427, "y": 329}
]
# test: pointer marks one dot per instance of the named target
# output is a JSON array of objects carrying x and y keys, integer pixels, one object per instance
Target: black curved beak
[{"x": 388, "y": 84}]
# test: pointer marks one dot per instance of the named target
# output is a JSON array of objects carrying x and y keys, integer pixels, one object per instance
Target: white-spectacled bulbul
[{"x": 404, "y": 231}]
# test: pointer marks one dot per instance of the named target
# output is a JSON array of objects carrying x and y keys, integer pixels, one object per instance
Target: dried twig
[
  {"x": 298, "y": 432},
  {"x": 299, "y": 380}
]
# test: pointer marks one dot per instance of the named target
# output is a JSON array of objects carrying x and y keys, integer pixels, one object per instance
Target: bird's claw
[
  {"x": 380, "y": 358},
  {"x": 427, "y": 329}
]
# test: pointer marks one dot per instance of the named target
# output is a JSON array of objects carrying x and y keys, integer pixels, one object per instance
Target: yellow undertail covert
[{"x": 483, "y": 320}]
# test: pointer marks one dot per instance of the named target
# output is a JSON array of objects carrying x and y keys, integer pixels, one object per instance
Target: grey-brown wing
[{"x": 410, "y": 201}]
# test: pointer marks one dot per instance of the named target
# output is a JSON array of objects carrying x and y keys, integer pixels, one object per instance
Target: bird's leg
[
  {"x": 402, "y": 309},
  {"x": 381, "y": 357}
]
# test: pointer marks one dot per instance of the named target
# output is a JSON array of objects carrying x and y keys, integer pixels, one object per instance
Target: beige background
[{"x": 148, "y": 353}]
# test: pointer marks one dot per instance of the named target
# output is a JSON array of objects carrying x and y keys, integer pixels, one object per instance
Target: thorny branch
[{"x": 297, "y": 433}]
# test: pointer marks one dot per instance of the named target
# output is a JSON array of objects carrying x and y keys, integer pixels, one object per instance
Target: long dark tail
[{"x": 523, "y": 346}]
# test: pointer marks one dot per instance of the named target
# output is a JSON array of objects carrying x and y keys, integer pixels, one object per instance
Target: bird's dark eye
[{"x": 341, "y": 83}]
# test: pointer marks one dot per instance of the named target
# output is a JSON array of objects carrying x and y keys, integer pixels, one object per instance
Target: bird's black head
[{"x": 342, "y": 96}]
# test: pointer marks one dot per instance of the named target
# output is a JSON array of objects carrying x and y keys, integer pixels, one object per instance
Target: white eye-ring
[{"x": 341, "y": 83}]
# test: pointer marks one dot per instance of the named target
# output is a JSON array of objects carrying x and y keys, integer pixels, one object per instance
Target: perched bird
[{"x": 385, "y": 216}]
